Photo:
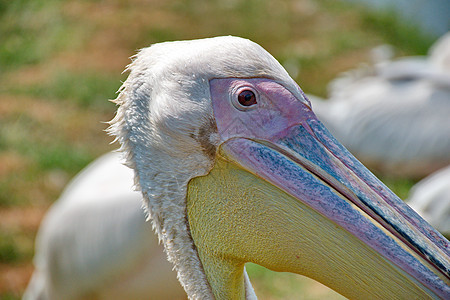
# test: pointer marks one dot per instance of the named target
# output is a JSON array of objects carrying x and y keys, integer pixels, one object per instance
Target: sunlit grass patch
[
  {"x": 9, "y": 253},
  {"x": 62, "y": 156},
  {"x": 9, "y": 296},
  {"x": 40, "y": 139},
  {"x": 27, "y": 138},
  {"x": 9, "y": 194},
  {"x": 403, "y": 34},
  {"x": 273, "y": 285},
  {"x": 26, "y": 174},
  {"x": 400, "y": 186},
  {"x": 87, "y": 89},
  {"x": 31, "y": 31},
  {"x": 15, "y": 247}
]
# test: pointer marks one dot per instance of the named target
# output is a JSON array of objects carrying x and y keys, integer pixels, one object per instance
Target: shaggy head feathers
[{"x": 167, "y": 130}]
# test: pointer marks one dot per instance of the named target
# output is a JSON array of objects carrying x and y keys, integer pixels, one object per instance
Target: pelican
[
  {"x": 94, "y": 242},
  {"x": 234, "y": 167},
  {"x": 394, "y": 117},
  {"x": 430, "y": 197}
]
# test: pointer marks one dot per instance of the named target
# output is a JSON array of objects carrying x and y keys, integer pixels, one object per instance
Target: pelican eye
[
  {"x": 247, "y": 98},
  {"x": 244, "y": 97}
]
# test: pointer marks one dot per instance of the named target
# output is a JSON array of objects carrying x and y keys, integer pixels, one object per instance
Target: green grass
[
  {"x": 10, "y": 193},
  {"x": 9, "y": 252},
  {"x": 287, "y": 285},
  {"x": 400, "y": 186},
  {"x": 14, "y": 248},
  {"x": 399, "y": 33},
  {"x": 9, "y": 296},
  {"x": 31, "y": 31},
  {"x": 27, "y": 137},
  {"x": 86, "y": 89},
  {"x": 62, "y": 157}
]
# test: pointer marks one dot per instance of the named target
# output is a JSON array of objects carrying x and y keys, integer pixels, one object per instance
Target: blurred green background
[{"x": 60, "y": 62}]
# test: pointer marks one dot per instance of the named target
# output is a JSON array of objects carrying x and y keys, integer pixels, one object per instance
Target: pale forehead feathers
[{"x": 219, "y": 57}]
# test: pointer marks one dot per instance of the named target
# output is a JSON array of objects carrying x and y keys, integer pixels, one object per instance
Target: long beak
[{"x": 310, "y": 165}]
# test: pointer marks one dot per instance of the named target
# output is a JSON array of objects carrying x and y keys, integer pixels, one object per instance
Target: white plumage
[
  {"x": 165, "y": 121},
  {"x": 94, "y": 242},
  {"x": 430, "y": 197},
  {"x": 395, "y": 117}
]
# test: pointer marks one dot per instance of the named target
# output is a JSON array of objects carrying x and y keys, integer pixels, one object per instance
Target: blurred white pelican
[
  {"x": 395, "y": 117},
  {"x": 431, "y": 199},
  {"x": 94, "y": 242}
]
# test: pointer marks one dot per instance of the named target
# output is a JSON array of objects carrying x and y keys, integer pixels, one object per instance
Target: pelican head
[{"x": 235, "y": 167}]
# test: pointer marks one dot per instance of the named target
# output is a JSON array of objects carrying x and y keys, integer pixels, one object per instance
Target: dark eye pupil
[{"x": 247, "y": 98}]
